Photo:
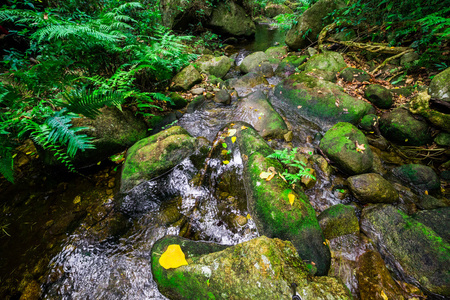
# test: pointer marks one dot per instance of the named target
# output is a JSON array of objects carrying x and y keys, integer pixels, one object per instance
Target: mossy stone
[
  {"x": 379, "y": 95},
  {"x": 372, "y": 188},
  {"x": 272, "y": 10},
  {"x": 275, "y": 54},
  {"x": 415, "y": 248},
  {"x": 326, "y": 61},
  {"x": 340, "y": 145},
  {"x": 178, "y": 101},
  {"x": 443, "y": 139},
  {"x": 437, "y": 219},
  {"x": 216, "y": 66},
  {"x": 439, "y": 87},
  {"x": 419, "y": 177},
  {"x": 249, "y": 140},
  {"x": 253, "y": 60},
  {"x": 338, "y": 220},
  {"x": 368, "y": 121},
  {"x": 229, "y": 18},
  {"x": 350, "y": 74},
  {"x": 186, "y": 79}
]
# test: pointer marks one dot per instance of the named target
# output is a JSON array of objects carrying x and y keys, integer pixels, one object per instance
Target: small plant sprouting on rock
[{"x": 288, "y": 158}]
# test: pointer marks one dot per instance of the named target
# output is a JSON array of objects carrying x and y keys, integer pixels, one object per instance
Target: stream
[{"x": 76, "y": 237}]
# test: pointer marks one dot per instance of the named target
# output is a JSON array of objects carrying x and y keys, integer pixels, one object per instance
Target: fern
[
  {"x": 6, "y": 163},
  {"x": 88, "y": 103},
  {"x": 288, "y": 158}
]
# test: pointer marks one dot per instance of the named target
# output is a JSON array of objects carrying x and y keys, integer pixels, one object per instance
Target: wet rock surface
[{"x": 372, "y": 188}]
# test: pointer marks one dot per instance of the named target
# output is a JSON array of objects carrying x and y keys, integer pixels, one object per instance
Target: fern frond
[
  {"x": 6, "y": 163},
  {"x": 88, "y": 103},
  {"x": 82, "y": 31}
]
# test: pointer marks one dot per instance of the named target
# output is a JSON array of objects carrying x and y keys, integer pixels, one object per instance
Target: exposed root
[
  {"x": 372, "y": 47},
  {"x": 391, "y": 58}
]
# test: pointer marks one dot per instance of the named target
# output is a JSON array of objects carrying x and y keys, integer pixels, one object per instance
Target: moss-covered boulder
[
  {"x": 217, "y": 66},
  {"x": 372, "y": 188},
  {"x": 253, "y": 60},
  {"x": 326, "y": 61},
  {"x": 414, "y": 249},
  {"x": 272, "y": 10},
  {"x": 439, "y": 87},
  {"x": 420, "y": 105},
  {"x": 178, "y": 101},
  {"x": 268, "y": 202},
  {"x": 310, "y": 23},
  {"x": 319, "y": 101},
  {"x": 276, "y": 54},
  {"x": 368, "y": 122},
  {"x": 348, "y": 147},
  {"x": 178, "y": 14},
  {"x": 155, "y": 155},
  {"x": 350, "y": 74},
  {"x": 401, "y": 127},
  {"x": 113, "y": 131},
  {"x": 443, "y": 139},
  {"x": 256, "y": 110},
  {"x": 338, "y": 220},
  {"x": 259, "y": 268},
  {"x": 289, "y": 64},
  {"x": 186, "y": 79},
  {"x": 222, "y": 97},
  {"x": 374, "y": 278},
  {"x": 379, "y": 96},
  {"x": 249, "y": 140},
  {"x": 419, "y": 177},
  {"x": 437, "y": 219},
  {"x": 229, "y": 18}
]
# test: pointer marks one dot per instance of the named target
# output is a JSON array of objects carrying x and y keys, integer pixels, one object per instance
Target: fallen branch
[
  {"x": 323, "y": 34},
  {"x": 372, "y": 47},
  {"x": 391, "y": 58}
]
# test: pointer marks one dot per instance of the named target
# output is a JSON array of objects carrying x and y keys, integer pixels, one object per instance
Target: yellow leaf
[
  {"x": 173, "y": 257},
  {"x": 426, "y": 192},
  {"x": 265, "y": 175},
  {"x": 226, "y": 162},
  {"x": 29, "y": 152},
  {"x": 243, "y": 127},
  {"x": 291, "y": 199},
  {"x": 259, "y": 118},
  {"x": 249, "y": 217},
  {"x": 224, "y": 152},
  {"x": 231, "y": 132},
  {"x": 233, "y": 139},
  {"x": 269, "y": 178},
  {"x": 384, "y": 295},
  {"x": 406, "y": 140},
  {"x": 77, "y": 200}
]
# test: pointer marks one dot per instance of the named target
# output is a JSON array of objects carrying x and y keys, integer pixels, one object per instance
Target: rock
[
  {"x": 312, "y": 51},
  {"x": 112, "y": 130},
  {"x": 374, "y": 279},
  {"x": 400, "y": 126},
  {"x": 368, "y": 122},
  {"x": 259, "y": 268},
  {"x": 275, "y": 54},
  {"x": 253, "y": 60},
  {"x": 289, "y": 136},
  {"x": 178, "y": 14},
  {"x": 443, "y": 139},
  {"x": 256, "y": 110},
  {"x": 340, "y": 145},
  {"x": 195, "y": 104},
  {"x": 413, "y": 248},
  {"x": 250, "y": 141},
  {"x": 320, "y": 101},
  {"x": 326, "y": 61},
  {"x": 430, "y": 202},
  {"x": 264, "y": 69},
  {"x": 197, "y": 91},
  {"x": 419, "y": 177},
  {"x": 160, "y": 122},
  {"x": 372, "y": 188},
  {"x": 350, "y": 74},
  {"x": 222, "y": 97},
  {"x": 178, "y": 101},
  {"x": 289, "y": 64},
  {"x": 155, "y": 155},
  {"x": 229, "y": 18},
  {"x": 420, "y": 104},
  {"x": 217, "y": 66},
  {"x": 408, "y": 58},
  {"x": 248, "y": 81},
  {"x": 338, "y": 220},
  {"x": 186, "y": 79},
  {"x": 347, "y": 34},
  {"x": 272, "y": 10},
  {"x": 439, "y": 87},
  {"x": 437, "y": 219},
  {"x": 310, "y": 23},
  {"x": 274, "y": 216}
]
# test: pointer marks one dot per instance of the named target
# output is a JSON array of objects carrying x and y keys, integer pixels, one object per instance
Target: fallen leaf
[
  {"x": 270, "y": 177},
  {"x": 77, "y": 200},
  {"x": 243, "y": 127},
  {"x": 207, "y": 282},
  {"x": 360, "y": 148},
  {"x": 426, "y": 192},
  {"x": 173, "y": 257},
  {"x": 233, "y": 139},
  {"x": 282, "y": 177},
  {"x": 383, "y": 295},
  {"x": 249, "y": 217},
  {"x": 224, "y": 152},
  {"x": 265, "y": 175},
  {"x": 224, "y": 145},
  {"x": 226, "y": 162},
  {"x": 291, "y": 199},
  {"x": 259, "y": 118},
  {"x": 299, "y": 106},
  {"x": 231, "y": 132}
]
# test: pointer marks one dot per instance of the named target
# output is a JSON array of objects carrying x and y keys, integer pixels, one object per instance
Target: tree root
[
  {"x": 391, "y": 58},
  {"x": 373, "y": 47}
]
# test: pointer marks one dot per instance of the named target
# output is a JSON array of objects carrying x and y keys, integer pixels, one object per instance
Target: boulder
[
  {"x": 419, "y": 177},
  {"x": 275, "y": 54},
  {"x": 113, "y": 131},
  {"x": 408, "y": 58},
  {"x": 368, "y": 122},
  {"x": 217, "y": 66},
  {"x": 443, "y": 139},
  {"x": 253, "y": 60},
  {"x": 374, "y": 279},
  {"x": 196, "y": 104},
  {"x": 259, "y": 268},
  {"x": 327, "y": 61},
  {"x": 372, "y": 188},
  {"x": 410, "y": 247},
  {"x": 155, "y": 155},
  {"x": 256, "y": 110},
  {"x": 178, "y": 102},
  {"x": 439, "y": 87},
  {"x": 289, "y": 64},
  {"x": 265, "y": 69},
  {"x": 222, "y": 97},
  {"x": 379, "y": 96},
  {"x": 350, "y": 74},
  {"x": 420, "y": 104},
  {"x": 319, "y": 101},
  {"x": 186, "y": 79},
  {"x": 338, "y": 220},
  {"x": 436, "y": 219},
  {"x": 178, "y": 14},
  {"x": 348, "y": 148},
  {"x": 228, "y": 18},
  {"x": 310, "y": 23},
  {"x": 401, "y": 127},
  {"x": 272, "y": 10}
]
